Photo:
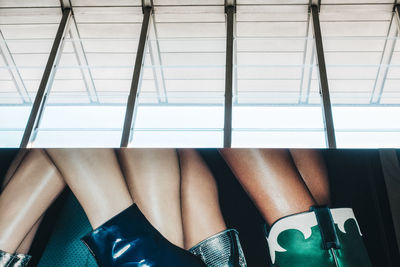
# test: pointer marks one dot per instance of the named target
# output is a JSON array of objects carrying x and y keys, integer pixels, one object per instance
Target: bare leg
[
  {"x": 201, "y": 213},
  {"x": 33, "y": 187},
  {"x": 312, "y": 169},
  {"x": 14, "y": 166},
  {"x": 271, "y": 179},
  {"x": 27, "y": 242},
  {"x": 95, "y": 178},
  {"x": 153, "y": 180}
]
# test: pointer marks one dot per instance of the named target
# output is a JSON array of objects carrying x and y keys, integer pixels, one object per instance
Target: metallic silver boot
[
  {"x": 6, "y": 259},
  {"x": 221, "y": 250},
  {"x": 20, "y": 260},
  {"x": 13, "y": 260}
]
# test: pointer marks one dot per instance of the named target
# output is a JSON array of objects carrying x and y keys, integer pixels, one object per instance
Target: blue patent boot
[{"x": 129, "y": 239}]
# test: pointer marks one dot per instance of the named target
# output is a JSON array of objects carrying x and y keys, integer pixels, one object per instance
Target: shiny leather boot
[
  {"x": 5, "y": 259},
  {"x": 320, "y": 237},
  {"x": 20, "y": 260},
  {"x": 128, "y": 239},
  {"x": 221, "y": 250}
]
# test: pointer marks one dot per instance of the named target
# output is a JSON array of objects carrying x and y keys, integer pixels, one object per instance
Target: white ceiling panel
[
  {"x": 30, "y": 15},
  {"x": 112, "y": 85},
  {"x": 66, "y": 73},
  {"x": 273, "y": 58},
  {"x": 108, "y": 14},
  {"x": 7, "y": 86},
  {"x": 34, "y": 46},
  {"x": 355, "y": 28},
  {"x": 111, "y": 59},
  {"x": 392, "y": 85},
  {"x": 194, "y": 73},
  {"x": 271, "y": 29},
  {"x": 187, "y": 2},
  {"x": 272, "y": 2},
  {"x": 344, "y": 86},
  {"x": 193, "y": 45},
  {"x": 68, "y": 86},
  {"x": 268, "y": 85},
  {"x": 357, "y": 2},
  {"x": 32, "y": 85},
  {"x": 189, "y": 14},
  {"x": 270, "y": 45},
  {"x": 393, "y": 73},
  {"x": 29, "y": 3},
  {"x": 390, "y": 98},
  {"x": 352, "y": 73},
  {"x": 269, "y": 73},
  {"x": 110, "y": 46},
  {"x": 193, "y": 59},
  {"x": 33, "y": 31},
  {"x": 395, "y": 58},
  {"x": 353, "y": 58},
  {"x": 350, "y": 12},
  {"x": 195, "y": 85},
  {"x": 260, "y": 13},
  {"x": 126, "y": 30},
  {"x": 31, "y": 60},
  {"x": 354, "y": 45},
  {"x": 189, "y": 30},
  {"x": 94, "y": 3}
]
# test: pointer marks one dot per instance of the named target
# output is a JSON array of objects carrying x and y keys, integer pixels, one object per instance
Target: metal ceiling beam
[
  {"x": 81, "y": 55},
  {"x": 13, "y": 70},
  {"x": 83, "y": 62},
  {"x": 156, "y": 62},
  {"x": 386, "y": 58},
  {"x": 323, "y": 80},
  {"x": 131, "y": 107},
  {"x": 47, "y": 80},
  {"x": 308, "y": 61},
  {"x": 230, "y": 10}
]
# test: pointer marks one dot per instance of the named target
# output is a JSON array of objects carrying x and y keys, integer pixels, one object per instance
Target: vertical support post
[
  {"x": 47, "y": 80},
  {"x": 131, "y": 106},
  {"x": 230, "y": 10},
  {"x": 323, "y": 80}
]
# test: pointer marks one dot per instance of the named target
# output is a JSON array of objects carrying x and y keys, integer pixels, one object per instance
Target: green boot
[{"x": 320, "y": 237}]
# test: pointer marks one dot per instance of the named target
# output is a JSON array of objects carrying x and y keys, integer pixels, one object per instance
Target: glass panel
[
  {"x": 276, "y": 100},
  {"x": 26, "y": 38},
  {"x": 87, "y": 101},
  {"x": 365, "y": 113}
]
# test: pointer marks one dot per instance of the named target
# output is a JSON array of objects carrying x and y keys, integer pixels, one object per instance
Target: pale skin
[
  {"x": 36, "y": 188},
  {"x": 280, "y": 182},
  {"x": 153, "y": 179},
  {"x": 26, "y": 243},
  {"x": 201, "y": 212},
  {"x": 95, "y": 178}
]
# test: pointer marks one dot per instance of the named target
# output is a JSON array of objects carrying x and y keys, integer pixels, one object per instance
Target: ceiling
[{"x": 185, "y": 61}]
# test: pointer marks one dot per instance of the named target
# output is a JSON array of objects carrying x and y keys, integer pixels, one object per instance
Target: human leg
[
  {"x": 33, "y": 187},
  {"x": 153, "y": 179},
  {"x": 205, "y": 231},
  {"x": 312, "y": 169}
]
